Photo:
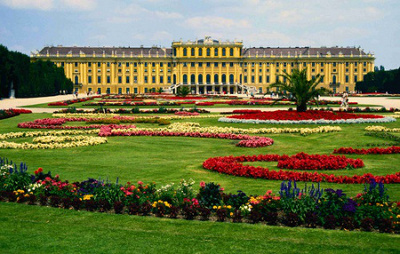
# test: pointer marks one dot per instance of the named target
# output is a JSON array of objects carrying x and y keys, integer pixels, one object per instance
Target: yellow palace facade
[{"x": 204, "y": 66}]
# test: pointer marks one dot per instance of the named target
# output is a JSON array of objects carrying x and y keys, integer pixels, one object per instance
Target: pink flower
[
  {"x": 202, "y": 184},
  {"x": 140, "y": 183}
]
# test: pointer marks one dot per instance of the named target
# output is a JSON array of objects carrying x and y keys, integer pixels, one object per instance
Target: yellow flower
[
  {"x": 214, "y": 207},
  {"x": 229, "y": 207},
  {"x": 231, "y": 214},
  {"x": 87, "y": 197}
]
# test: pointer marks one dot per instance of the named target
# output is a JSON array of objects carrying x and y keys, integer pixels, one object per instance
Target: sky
[{"x": 373, "y": 25}]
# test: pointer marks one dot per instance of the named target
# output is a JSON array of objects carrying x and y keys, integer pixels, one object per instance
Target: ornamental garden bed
[{"x": 370, "y": 210}]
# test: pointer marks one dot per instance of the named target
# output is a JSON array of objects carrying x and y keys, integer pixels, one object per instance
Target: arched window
[
  {"x": 208, "y": 52},
  {"x": 208, "y": 79},
  {"x": 174, "y": 79},
  {"x": 231, "y": 51},
  {"x": 174, "y": 51},
  {"x": 216, "y": 52},
  {"x": 216, "y": 81},
  {"x": 223, "y": 52},
  {"x": 185, "y": 52},
  {"x": 334, "y": 79},
  {"x": 223, "y": 79},
  {"x": 76, "y": 80},
  {"x": 192, "y": 53},
  {"x": 200, "y": 79},
  {"x": 200, "y": 51},
  {"x": 184, "y": 79},
  {"x": 231, "y": 79},
  {"x": 192, "y": 79}
]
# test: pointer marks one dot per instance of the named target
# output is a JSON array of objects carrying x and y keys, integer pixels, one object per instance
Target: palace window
[
  {"x": 208, "y": 79},
  {"x": 119, "y": 64},
  {"x": 245, "y": 79},
  {"x": 277, "y": 65},
  {"x": 231, "y": 64},
  {"x": 145, "y": 79},
  {"x": 223, "y": 52},
  {"x": 355, "y": 78},
  {"x": 134, "y": 64},
  {"x": 208, "y": 64},
  {"x": 184, "y": 79},
  {"x": 184, "y": 64},
  {"x": 334, "y": 64},
  {"x": 90, "y": 79},
  {"x": 208, "y": 52},
  {"x": 62, "y": 64},
  {"x": 161, "y": 65},
  {"x": 216, "y": 52},
  {"x": 200, "y": 52},
  {"x": 89, "y": 64},
  {"x": 119, "y": 70},
  {"x": 127, "y": 79},
  {"x": 252, "y": 79},
  {"x": 98, "y": 70},
  {"x": 108, "y": 64},
  {"x": 365, "y": 70},
  {"x": 231, "y": 79},
  {"x": 284, "y": 65},
  {"x": 267, "y": 79},
  {"x": 223, "y": 64},
  {"x": 192, "y": 52},
  {"x": 347, "y": 64},
  {"x": 347, "y": 78},
  {"x": 153, "y": 79},
  {"x": 304, "y": 64},
  {"x": 119, "y": 79},
  {"x": 215, "y": 64},
  {"x": 355, "y": 64},
  {"x": 216, "y": 79},
  {"x": 90, "y": 70},
  {"x": 161, "y": 79},
  {"x": 184, "y": 52},
  {"x": 260, "y": 79},
  {"x": 98, "y": 79},
  {"x": 127, "y": 64},
  {"x": 76, "y": 64},
  {"x": 169, "y": 79},
  {"x": 231, "y": 51},
  {"x": 135, "y": 79},
  {"x": 145, "y": 64},
  {"x": 365, "y": 64},
  {"x": 200, "y": 64}
]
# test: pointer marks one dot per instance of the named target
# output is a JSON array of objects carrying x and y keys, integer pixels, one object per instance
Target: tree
[
  {"x": 300, "y": 88},
  {"x": 183, "y": 91}
]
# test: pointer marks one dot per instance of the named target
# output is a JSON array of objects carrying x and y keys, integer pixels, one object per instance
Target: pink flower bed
[
  {"x": 185, "y": 113},
  {"x": 246, "y": 140}
]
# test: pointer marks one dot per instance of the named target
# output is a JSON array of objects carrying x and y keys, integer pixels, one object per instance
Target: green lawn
[{"x": 169, "y": 159}]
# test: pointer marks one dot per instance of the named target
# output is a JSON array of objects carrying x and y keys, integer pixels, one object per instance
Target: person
[{"x": 345, "y": 100}]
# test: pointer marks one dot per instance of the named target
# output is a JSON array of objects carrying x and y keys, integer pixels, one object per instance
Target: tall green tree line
[
  {"x": 381, "y": 81},
  {"x": 30, "y": 79}
]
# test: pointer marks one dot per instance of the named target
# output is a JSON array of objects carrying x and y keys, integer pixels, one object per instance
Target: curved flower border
[
  {"x": 233, "y": 166},
  {"x": 319, "y": 121},
  {"x": 246, "y": 140}
]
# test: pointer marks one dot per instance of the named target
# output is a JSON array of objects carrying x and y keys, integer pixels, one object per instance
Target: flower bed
[
  {"x": 246, "y": 140},
  {"x": 69, "y": 102},
  {"x": 233, "y": 166},
  {"x": 308, "y": 117},
  {"x": 374, "y": 150},
  {"x": 381, "y": 129},
  {"x": 7, "y": 113},
  {"x": 185, "y": 113},
  {"x": 370, "y": 210}
]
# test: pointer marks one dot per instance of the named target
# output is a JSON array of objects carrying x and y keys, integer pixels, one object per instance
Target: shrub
[{"x": 210, "y": 195}]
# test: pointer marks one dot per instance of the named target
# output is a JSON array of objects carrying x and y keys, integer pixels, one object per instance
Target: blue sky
[{"x": 29, "y": 25}]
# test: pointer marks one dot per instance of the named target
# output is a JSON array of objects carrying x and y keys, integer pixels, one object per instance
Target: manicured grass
[{"x": 28, "y": 229}]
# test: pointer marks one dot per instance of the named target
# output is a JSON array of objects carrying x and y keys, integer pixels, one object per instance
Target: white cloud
[
  {"x": 79, "y": 4},
  {"x": 43, "y": 5},
  {"x": 215, "y": 22}
]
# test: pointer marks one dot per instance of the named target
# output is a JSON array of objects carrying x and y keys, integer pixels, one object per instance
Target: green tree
[
  {"x": 183, "y": 91},
  {"x": 300, "y": 88}
]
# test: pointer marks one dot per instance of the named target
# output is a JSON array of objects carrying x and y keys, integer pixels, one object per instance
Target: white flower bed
[{"x": 320, "y": 121}]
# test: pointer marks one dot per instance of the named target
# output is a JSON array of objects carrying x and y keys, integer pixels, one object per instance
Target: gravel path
[{"x": 20, "y": 103}]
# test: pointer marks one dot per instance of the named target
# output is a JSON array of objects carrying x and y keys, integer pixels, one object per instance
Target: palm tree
[{"x": 301, "y": 89}]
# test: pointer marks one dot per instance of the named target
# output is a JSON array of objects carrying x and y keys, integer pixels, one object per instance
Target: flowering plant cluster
[
  {"x": 308, "y": 117},
  {"x": 7, "y": 113},
  {"x": 185, "y": 113},
  {"x": 381, "y": 129},
  {"x": 291, "y": 206},
  {"x": 195, "y": 127},
  {"x": 69, "y": 102},
  {"x": 374, "y": 150},
  {"x": 233, "y": 166},
  {"x": 246, "y": 111},
  {"x": 249, "y": 141}
]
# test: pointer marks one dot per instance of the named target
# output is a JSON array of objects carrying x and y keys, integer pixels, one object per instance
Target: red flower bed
[
  {"x": 233, "y": 166},
  {"x": 69, "y": 102},
  {"x": 375, "y": 150},
  {"x": 246, "y": 140},
  {"x": 21, "y": 111},
  {"x": 205, "y": 103},
  {"x": 296, "y": 116},
  {"x": 246, "y": 111}
]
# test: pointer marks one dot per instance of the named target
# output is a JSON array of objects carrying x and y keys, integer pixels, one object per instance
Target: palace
[{"x": 204, "y": 66}]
